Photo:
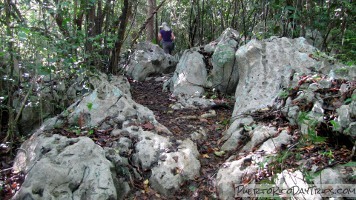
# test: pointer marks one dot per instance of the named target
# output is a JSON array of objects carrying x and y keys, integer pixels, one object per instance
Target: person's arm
[
  {"x": 159, "y": 37},
  {"x": 173, "y": 37}
]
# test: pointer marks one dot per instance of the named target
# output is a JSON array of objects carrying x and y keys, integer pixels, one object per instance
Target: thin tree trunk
[
  {"x": 11, "y": 121},
  {"x": 144, "y": 24},
  {"x": 191, "y": 21},
  {"x": 115, "y": 57},
  {"x": 150, "y": 24},
  {"x": 244, "y": 19}
]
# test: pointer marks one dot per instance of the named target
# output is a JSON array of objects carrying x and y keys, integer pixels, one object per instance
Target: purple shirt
[{"x": 166, "y": 35}]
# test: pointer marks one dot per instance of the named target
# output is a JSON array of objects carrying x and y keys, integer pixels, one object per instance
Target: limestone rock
[
  {"x": 295, "y": 180},
  {"x": 61, "y": 168},
  {"x": 190, "y": 75},
  {"x": 149, "y": 59},
  {"x": 260, "y": 61},
  {"x": 230, "y": 177},
  {"x": 107, "y": 101},
  {"x": 175, "y": 168},
  {"x": 274, "y": 144},
  {"x": 225, "y": 74}
]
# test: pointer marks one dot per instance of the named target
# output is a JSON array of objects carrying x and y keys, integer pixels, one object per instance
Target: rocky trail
[
  {"x": 208, "y": 124},
  {"x": 182, "y": 124},
  {"x": 129, "y": 138}
]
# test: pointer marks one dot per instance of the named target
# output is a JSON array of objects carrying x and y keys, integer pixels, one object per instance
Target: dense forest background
[{"x": 60, "y": 39}]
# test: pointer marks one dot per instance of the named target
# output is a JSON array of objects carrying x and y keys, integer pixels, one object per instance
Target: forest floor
[{"x": 182, "y": 123}]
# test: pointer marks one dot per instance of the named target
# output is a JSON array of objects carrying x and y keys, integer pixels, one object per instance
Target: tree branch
[{"x": 143, "y": 27}]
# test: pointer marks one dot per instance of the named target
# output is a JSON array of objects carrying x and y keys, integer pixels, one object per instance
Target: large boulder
[
  {"x": 149, "y": 59},
  {"x": 190, "y": 76},
  {"x": 213, "y": 67},
  {"x": 224, "y": 75},
  {"x": 108, "y": 100},
  {"x": 267, "y": 66},
  {"x": 62, "y": 168}
]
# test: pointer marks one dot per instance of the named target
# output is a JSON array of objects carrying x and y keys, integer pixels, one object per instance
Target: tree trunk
[
  {"x": 115, "y": 57},
  {"x": 11, "y": 112},
  {"x": 150, "y": 34}
]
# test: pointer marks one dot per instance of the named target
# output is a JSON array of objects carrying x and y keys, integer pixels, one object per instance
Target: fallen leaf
[
  {"x": 219, "y": 153},
  {"x": 146, "y": 182},
  {"x": 205, "y": 156},
  {"x": 148, "y": 126}
]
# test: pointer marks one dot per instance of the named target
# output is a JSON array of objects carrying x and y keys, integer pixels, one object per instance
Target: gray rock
[
  {"x": 295, "y": 180},
  {"x": 311, "y": 120},
  {"x": 351, "y": 131},
  {"x": 234, "y": 140},
  {"x": 230, "y": 175},
  {"x": 149, "y": 59},
  {"x": 273, "y": 144},
  {"x": 233, "y": 135},
  {"x": 224, "y": 75},
  {"x": 209, "y": 114},
  {"x": 259, "y": 135},
  {"x": 176, "y": 168},
  {"x": 293, "y": 115},
  {"x": 324, "y": 84},
  {"x": 148, "y": 149},
  {"x": 344, "y": 116},
  {"x": 107, "y": 101},
  {"x": 184, "y": 101},
  {"x": 190, "y": 76},
  {"x": 353, "y": 108},
  {"x": 335, "y": 178},
  {"x": 314, "y": 38},
  {"x": 343, "y": 72},
  {"x": 260, "y": 61},
  {"x": 62, "y": 168},
  {"x": 318, "y": 108},
  {"x": 199, "y": 135}
]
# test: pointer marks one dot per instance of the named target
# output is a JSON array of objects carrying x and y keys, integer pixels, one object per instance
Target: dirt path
[{"x": 182, "y": 123}]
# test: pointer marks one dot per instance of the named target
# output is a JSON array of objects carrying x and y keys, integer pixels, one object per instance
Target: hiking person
[{"x": 166, "y": 37}]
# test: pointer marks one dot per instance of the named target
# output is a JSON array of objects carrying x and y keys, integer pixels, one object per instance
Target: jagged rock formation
[
  {"x": 274, "y": 80},
  {"x": 79, "y": 162}
]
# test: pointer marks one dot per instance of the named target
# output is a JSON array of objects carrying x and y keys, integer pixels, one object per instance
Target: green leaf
[
  {"x": 336, "y": 125},
  {"x": 22, "y": 35},
  {"x": 291, "y": 8},
  {"x": 350, "y": 164},
  {"x": 192, "y": 188},
  {"x": 90, "y": 106}
]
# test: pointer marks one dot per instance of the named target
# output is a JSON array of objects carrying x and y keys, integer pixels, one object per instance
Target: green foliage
[
  {"x": 284, "y": 93},
  {"x": 330, "y": 155},
  {"x": 349, "y": 100},
  {"x": 91, "y": 132},
  {"x": 90, "y": 106},
  {"x": 311, "y": 135},
  {"x": 350, "y": 164},
  {"x": 77, "y": 131},
  {"x": 335, "y": 124},
  {"x": 310, "y": 176},
  {"x": 225, "y": 122}
]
